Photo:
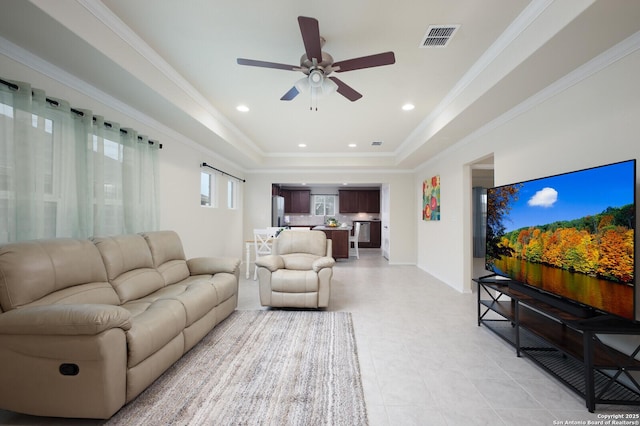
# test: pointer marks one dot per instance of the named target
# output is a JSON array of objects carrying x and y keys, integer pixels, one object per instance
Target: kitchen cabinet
[
  {"x": 369, "y": 201},
  {"x": 359, "y": 201},
  {"x": 339, "y": 240},
  {"x": 348, "y": 201},
  {"x": 296, "y": 201},
  {"x": 376, "y": 234}
]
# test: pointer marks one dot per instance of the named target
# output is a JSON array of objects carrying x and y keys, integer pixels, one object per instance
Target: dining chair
[
  {"x": 354, "y": 238},
  {"x": 262, "y": 242}
]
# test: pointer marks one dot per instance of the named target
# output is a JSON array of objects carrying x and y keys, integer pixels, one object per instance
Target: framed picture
[{"x": 431, "y": 198}]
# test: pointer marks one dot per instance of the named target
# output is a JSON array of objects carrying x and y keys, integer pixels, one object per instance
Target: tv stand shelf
[{"x": 566, "y": 346}]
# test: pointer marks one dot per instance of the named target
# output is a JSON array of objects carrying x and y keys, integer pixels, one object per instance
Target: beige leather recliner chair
[{"x": 298, "y": 272}]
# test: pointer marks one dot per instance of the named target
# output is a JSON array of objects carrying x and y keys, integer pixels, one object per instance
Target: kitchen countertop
[{"x": 332, "y": 228}]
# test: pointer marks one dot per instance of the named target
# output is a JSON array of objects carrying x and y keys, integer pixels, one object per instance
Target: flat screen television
[{"x": 569, "y": 236}]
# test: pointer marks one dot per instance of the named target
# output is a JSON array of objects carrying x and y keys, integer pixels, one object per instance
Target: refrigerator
[{"x": 277, "y": 211}]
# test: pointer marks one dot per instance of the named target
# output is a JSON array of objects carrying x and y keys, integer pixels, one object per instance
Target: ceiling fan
[{"x": 317, "y": 65}]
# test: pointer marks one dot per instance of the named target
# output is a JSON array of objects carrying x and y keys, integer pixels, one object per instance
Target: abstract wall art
[{"x": 431, "y": 198}]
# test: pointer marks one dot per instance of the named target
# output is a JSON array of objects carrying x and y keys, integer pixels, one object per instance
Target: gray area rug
[{"x": 260, "y": 368}]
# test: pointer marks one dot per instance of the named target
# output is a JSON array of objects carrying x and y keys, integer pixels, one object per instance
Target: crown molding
[
  {"x": 330, "y": 155},
  {"x": 28, "y": 59},
  {"x": 330, "y": 172},
  {"x": 124, "y": 32},
  {"x": 597, "y": 64},
  {"x": 513, "y": 31}
]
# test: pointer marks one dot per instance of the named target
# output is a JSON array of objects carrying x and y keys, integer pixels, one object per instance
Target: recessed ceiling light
[
  {"x": 302, "y": 145},
  {"x": 242, "y": 108},
  {"x": 408, "y": 107},
  {"x": 352, "y": 145}
]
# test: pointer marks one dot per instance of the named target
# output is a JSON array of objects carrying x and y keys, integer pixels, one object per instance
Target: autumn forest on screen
[{"x": 599, "y": 245}]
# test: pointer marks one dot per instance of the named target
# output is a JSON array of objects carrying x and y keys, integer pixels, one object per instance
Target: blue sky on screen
[{"x": 572, "y": 195}]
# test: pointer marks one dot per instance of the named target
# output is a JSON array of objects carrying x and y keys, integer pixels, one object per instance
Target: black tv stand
[
  {"x": 575, "y": 309},
  {"x": 570, "y": 347}
]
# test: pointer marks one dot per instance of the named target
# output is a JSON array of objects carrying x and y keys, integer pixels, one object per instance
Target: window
[
  {"x": 67, "y": 173},
  {"x": 232, "y": 188},
  {"x": 324, "y": 205},
  {"x": 207, "y": 189}
]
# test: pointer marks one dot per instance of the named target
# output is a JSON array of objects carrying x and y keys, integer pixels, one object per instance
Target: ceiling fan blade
[
  {"x": 263, "y": 64},
  {"x": 310, "y": 31},
  {"x": 292, "y": 93},
  {"x": 386, "y": 58},
  {"x": 346, "y": 90}
]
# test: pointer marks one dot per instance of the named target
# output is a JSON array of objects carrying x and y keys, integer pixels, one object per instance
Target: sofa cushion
[
  {"x": 197, "y": 297},
  {"x": 32, "y": 270},
  {"x": 225, "y": 285},
  {"x": 129, "y": 266},
  {"x": 291, "y": 281},
  {"x": 153, "y": 325},
  {"x": 168, "y": 255}
]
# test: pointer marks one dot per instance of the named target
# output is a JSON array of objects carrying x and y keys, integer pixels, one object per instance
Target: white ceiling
[{"x": 175, "y": 61}]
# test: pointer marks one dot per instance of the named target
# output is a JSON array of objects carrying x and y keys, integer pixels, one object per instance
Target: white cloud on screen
[{"x": 546, "y": 197}]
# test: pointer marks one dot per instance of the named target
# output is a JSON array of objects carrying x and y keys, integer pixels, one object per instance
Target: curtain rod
[
  {"x": 224, "y": 173},
  {"x": 75, "y": 111}
]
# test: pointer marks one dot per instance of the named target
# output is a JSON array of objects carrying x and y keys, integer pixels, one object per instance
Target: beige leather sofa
[
  {"x": 298, "y": 272},
  {"x": 87, "y": 325}
]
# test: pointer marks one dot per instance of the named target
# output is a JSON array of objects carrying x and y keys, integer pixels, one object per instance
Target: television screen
[{"x": 571, "y": 235}]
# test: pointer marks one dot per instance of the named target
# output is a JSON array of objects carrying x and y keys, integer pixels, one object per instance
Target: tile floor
[{"x": 424, "y": 360}]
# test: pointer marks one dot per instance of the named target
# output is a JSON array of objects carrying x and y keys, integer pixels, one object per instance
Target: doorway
[{"x": 482, "y": 178}]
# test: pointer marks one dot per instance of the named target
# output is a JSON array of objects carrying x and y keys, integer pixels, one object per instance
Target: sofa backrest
[
  {"x": 129, "y": 266},
  {"x": 62, "y": 270},
  {"x": 168, "y": 255}
]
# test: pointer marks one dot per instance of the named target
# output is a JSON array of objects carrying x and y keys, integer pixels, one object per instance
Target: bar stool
[{"x": 354, "y": 238}]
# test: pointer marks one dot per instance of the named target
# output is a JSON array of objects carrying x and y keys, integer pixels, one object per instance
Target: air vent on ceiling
[
  {"x": 438, "y": 35},
  {"x": 376, "y": 143}
]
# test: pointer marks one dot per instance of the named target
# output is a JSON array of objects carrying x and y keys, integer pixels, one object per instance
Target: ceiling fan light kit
[{"x": 317, "y": 65}]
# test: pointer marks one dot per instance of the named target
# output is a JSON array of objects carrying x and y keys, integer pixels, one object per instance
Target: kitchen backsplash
[{"x": 309, "y": 219}]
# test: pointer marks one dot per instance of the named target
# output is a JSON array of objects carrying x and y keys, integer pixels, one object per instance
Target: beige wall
[
  {"x": 205, "y": 231},
  {"x": 257, "y": 212},
  {"x": 590, "y": 122}
]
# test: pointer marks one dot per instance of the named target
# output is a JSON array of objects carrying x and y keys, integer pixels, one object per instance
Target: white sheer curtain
[{"x": 64, "y": 174}]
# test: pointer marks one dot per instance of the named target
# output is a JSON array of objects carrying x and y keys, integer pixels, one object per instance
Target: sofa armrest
[
  {"x": 81, "y": 319},
  {"x": 323, "y": 262},
  {"x": 212, "y": 265},
  {"x": 272, "y": 262}
]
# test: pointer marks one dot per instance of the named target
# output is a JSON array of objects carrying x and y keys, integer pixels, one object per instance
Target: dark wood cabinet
[
  {"x": 348, "y": 201},
  {"x": 296, "y": 201},
  {"x": 359, "y": 201},
  {"x": 376, "y": 235},
  {"x": 369, "y": 201},
  {"x": 339, "y": 243}
]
